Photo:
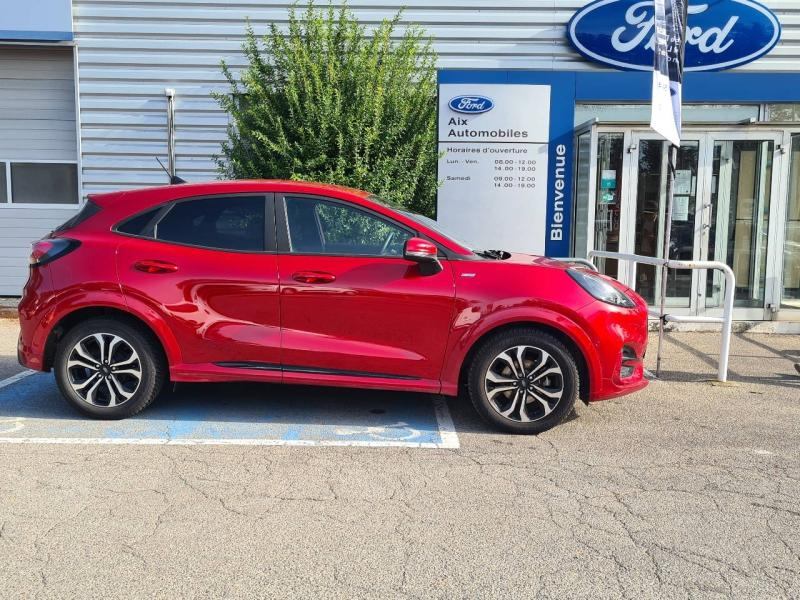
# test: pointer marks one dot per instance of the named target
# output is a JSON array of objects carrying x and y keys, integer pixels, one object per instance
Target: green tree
[{"x": 326, "y": 101}]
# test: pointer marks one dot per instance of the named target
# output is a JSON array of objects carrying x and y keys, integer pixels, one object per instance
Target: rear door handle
[
  {"x": 155, "y": 266},
  {"x": 313, "y": 277}
]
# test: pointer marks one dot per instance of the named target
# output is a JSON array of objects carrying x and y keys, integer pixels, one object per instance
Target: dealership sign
[{"x": 721, "y": 34}]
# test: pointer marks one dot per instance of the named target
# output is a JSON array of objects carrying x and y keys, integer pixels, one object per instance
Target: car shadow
[{"x": 37, "y": 397}]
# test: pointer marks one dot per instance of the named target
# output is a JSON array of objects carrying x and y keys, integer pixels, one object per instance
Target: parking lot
[{"x": 684, "y": 490}]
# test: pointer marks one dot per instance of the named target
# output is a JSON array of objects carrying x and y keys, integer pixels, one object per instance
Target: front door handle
[
  {"x": 313, "y": 277},
  {"x": 155, "y": 266}
]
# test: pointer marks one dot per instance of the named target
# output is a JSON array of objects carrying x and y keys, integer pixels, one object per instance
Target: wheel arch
[
  {"x": 69, "y": 320},
  {"x": 577, "y": 351}
]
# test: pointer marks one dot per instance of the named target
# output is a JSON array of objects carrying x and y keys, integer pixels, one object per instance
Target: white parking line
[{"x": 15, "y": 378}]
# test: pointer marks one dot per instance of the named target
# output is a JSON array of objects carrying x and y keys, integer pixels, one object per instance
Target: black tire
[
  {"x": 150, "y": 363},
  {"x": 486, "y": 357}
]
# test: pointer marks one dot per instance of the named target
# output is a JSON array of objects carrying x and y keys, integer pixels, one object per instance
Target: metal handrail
[
  {"x": 727, "y": 313},
  {"x": 580, "y": 261}
]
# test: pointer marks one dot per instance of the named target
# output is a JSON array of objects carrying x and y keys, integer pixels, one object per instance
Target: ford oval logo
[
  {"x": 720, "y": 34},
  {"x": 471, "y": 104}
]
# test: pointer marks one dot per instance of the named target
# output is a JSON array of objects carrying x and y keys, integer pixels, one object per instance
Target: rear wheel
[
  {"x": 107, "y": 369},
  {"x": 523, "y": 381}
]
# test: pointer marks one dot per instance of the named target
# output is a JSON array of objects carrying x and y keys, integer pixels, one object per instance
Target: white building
[{"x": 83, "y": 109}]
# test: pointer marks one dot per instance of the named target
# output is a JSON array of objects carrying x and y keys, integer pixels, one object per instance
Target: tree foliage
[{"x": 327, "y": 101}]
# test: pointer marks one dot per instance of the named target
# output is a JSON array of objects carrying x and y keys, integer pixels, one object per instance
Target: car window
[
  {"x": 140, "y": 224},
  {"x": 323, "y": 227},
  {"x": 225, "y": 223}
]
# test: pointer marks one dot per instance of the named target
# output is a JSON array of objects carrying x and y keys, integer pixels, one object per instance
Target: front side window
[
  {"x": 224, "y": 223},
  {"x": 323, "y": 227}
]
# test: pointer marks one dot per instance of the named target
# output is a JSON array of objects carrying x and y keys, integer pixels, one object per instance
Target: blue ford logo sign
[
  {"x": 471, "y": 104},
  {"x": 720, "y": 34}
]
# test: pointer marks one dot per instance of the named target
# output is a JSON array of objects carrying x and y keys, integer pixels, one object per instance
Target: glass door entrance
[{"x": 726, "y": 184}]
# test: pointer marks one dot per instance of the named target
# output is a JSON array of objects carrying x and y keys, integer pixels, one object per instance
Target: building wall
[
  {"x": 37, "y": 123},
  {"x": 129, "y": 52}
]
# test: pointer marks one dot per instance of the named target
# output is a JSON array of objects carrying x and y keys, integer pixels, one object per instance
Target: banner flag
[{"x": 670, "y": 40}]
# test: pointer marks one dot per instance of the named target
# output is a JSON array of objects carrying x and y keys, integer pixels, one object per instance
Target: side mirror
[{"x": 423, "y": 252}]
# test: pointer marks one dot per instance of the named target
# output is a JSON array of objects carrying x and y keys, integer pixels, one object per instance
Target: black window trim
[
  {"x": 282, "y": 225},
  {"x": 270, "y": 242}
]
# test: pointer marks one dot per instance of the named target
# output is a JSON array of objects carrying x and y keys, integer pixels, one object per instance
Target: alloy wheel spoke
[
  {"x": 498, "y": 389},
  {"x": 521, "y": 360},
  {"x": 101, "y": 343},
  {"x": 81, "y": 363},
  {"x": 542, "y": 362},
  {"x": 495, "y": 378},
  {"x": 552, "y": 395},
  {"x": 114, "y": 341},
  {"x": 119, "y": 387},
  {"x": 112, "y": 395},
  {"x": 83, "y": 353},
  {"x": 513, "y": 406},
  {"x": 545, "y": 404},
  {"x": 509, "y": 361},
  {"x": 91, "y": 379},
  {"x": 135, "y": 372},
  {"x": 124, "y": 362},
  {"x": 90, "y": 394},
  {"x": 523, "y": 411},
  {"x": 549, "y": 371}
]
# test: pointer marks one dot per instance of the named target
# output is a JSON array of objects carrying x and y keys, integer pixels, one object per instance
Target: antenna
[{"x": 173, "y": 179}]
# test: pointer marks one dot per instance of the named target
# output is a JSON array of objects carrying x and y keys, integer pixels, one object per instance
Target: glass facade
[{"x": 790, "y": 293}]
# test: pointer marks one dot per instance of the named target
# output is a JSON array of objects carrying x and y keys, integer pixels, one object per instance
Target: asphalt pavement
[{"x": 684, "y": 490}]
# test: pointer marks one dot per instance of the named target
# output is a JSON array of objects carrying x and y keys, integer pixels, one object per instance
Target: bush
[{"x": 327, "y": 102}]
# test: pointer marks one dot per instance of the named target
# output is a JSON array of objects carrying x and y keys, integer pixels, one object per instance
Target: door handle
[
  {"x": 313, "y": 277},
  {"x": 155, "y": 266}
]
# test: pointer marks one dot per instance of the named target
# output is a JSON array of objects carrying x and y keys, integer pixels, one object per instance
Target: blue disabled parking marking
[{"x": 33, "y": 411}]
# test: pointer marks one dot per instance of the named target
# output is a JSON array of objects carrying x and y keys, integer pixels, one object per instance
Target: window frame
[
  {"x": 281, "y": 217},
  {"x": 270, "y": 243},
  {"x": 9, "y": 203}
]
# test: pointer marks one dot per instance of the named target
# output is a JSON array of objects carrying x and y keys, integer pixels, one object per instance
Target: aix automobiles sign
[{"x": 721, "y": 34}]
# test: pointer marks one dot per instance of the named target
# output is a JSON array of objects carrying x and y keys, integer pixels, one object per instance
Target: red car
[{"x": 304, "y": 283}]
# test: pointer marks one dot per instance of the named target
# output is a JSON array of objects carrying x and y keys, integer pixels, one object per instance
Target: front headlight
[{"x": 600, "y": 288}]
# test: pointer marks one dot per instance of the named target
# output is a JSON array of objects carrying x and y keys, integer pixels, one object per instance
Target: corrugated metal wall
[
  {"x": 129, "y": 51},
  {"x": 37, "y": 122}
]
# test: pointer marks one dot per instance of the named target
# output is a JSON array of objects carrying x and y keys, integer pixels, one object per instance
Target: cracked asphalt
[{"x": 684, "y": 490}]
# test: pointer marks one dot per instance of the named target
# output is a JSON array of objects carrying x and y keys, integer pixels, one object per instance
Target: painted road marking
[
  {"x": 15, "y": 378},
  {"x": 32, "y": 411}
]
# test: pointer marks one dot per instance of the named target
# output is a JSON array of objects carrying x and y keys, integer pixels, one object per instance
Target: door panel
[
  {"x": 221, "y": 305},
  {"x": 351, "y": 305},
  {"x": 378, "y": 316}
]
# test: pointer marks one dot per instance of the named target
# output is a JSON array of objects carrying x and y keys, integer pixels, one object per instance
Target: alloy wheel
[
  {"x": 103, "y": 369},
  {"x": 524, "y": 383}
]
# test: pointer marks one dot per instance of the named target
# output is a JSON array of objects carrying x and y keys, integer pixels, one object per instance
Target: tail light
[{"x": 47, "y": 250}]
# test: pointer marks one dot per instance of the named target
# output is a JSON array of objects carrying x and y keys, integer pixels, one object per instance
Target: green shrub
[{"x": 326, "y": 101}]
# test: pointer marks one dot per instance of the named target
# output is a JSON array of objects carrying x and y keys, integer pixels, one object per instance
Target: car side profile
[{"x": 300, "y": 283}]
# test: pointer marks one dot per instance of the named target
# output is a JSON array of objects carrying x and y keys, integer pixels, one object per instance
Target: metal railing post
[
  {"x": 730, "y": 289},
  {"x": 727, "y": 324}
]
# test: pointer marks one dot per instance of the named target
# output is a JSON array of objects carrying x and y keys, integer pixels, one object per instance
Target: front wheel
[
  {"x": 523, "y": 381},
  {"x": 107, "y": 369}
]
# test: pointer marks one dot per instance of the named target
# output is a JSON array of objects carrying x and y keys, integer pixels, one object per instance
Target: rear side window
[
  {"x": 224, "y": 223},
  {"x": 140, "y": 224},
  {"x": 89, "y": 210}
]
